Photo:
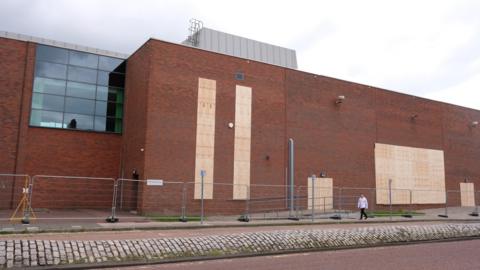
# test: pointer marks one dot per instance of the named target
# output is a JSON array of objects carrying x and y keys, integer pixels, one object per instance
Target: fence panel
[
  {"x": 11, "y": 189},
  {"x": 14, "y": 197},
  {"x": 71, "y": 197}
]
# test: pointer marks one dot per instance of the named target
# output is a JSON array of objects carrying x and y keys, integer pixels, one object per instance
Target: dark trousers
[{"x": 362, "y": 213}]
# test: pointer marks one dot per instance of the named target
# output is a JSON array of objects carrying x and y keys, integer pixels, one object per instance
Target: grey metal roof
[
  {"x": 61, "y": 44},
  {"x": 220, "y": 42}
]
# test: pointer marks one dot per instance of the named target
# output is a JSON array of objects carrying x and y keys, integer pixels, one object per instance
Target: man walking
[{"x": 362, "y": 204}]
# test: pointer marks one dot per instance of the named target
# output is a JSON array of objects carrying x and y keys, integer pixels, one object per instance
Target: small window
[
  {"x": 83, "y": 59},
  {"x": 49, "y": 86},
  {"x": 81, "y": 90},
  {"x": 46, "y": 119},
  {"x": 79, "y": 105},
  {"x": 51, "y": 54},
  {"x": 50, "y": 70},
  {"x": 111, "y": 64},
  {"x": 78, "y": 121},
  {"x": 47, "y": 102},
  {"x": 239, "y": 76},
  {"x": 79, "y": 74},
  {"x": 101, "y": 108}
]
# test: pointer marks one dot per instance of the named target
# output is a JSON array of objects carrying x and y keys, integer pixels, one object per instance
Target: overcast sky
[{"x": 425, "y": 48}]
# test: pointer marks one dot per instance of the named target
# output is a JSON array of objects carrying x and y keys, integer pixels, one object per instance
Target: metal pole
[
  {"x": 475, "y": 200},
  {"x": 247, "y": 210},
  {"x": 291, "y": 173},
  {"x": 446, "y": 204},
  {"x": 313, "y": 197},
  {"x": 390, "y": 196},
  {"x": 411, "y": 202},
  {"x": 202, "y": 175},
  {"x": 341, "y": 201},
  {"x": 183, "y": 218}
]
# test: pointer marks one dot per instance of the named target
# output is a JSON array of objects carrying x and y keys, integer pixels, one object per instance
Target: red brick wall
[
  {"x": 135, "y": 124},
  {"x": 12, "y": 67},
  {"x": 160, "y": 117},
  {"x": 338, "y": 139},
  {"x": 172, "y": 113}
]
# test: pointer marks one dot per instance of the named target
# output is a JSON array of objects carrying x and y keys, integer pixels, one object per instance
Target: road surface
[{"x": 428, "y": 256}]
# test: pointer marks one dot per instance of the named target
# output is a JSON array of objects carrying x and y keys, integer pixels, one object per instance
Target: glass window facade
[{"x": 77, "y": 90}]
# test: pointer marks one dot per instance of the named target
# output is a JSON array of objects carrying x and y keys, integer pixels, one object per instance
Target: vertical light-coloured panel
[
  {"x": 242, "y": 142},
  {"x": 467, "y": 194},
  {"x": 323, "y": 193},
  {"x": 418, "y": 174},
  {"x": 205, "y": 143}
]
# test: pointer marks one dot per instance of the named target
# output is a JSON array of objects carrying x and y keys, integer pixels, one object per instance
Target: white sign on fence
[{"x": 154, "y": 182}]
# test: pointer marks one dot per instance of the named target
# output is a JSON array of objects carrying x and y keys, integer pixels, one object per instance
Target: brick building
[{"x": 170, "y": 110}]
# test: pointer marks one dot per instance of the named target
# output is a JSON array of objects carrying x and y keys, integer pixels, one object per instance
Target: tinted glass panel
[
  {"x": 83, "y": 59},
  {"x": 77, "y": 90},
  {"x": 49, "y": 86},
  {"x": 100, "y": 123},
  {"x": 111, "y": 79},
  {"x": 82, "y": 90},
  {"x": 102, "y": 93},
  {"x": 110, "y": 64},
  {"x": 46, "y": 69},
  {"x": 78, "y": 121},
  {"x": 82, "y": 74},
  {"x": 114, "y": 125},
  {"x": 79, "y": 105},
  {"x": 47, "y": 102},
  {"x": 51, "y": 54},
  {"x": 116, "y": 80},
  {"x": 101, "y": 108},
  {"x": 114, "y": 110},
  {"x": 46, "y": 119},
  {"x": 115, "y": 95},
  {"x": 102, "y": 78}
]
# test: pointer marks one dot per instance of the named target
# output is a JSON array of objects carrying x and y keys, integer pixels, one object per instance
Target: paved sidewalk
[
  {"x": 129, "y": 222},
  {"x": 52, "y": 253}
]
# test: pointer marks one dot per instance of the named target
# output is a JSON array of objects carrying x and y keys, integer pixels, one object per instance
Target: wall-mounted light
[
  {"x": 230, "y": 125},
  {"x": 474, "y": 124},
  {"x": 413, "y": 117},
  {"x": 339, "y": 100},
  {"x": 142, "y": 149}
]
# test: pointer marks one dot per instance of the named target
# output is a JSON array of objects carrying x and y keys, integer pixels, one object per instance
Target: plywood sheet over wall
[
  {"x": 205, "y": 142},
  {"x": 323, "y": 194},
  {"x": 467, "y": 194},
  {"x": 242, "y": 142},
  {"x": 419, "y": 170}
]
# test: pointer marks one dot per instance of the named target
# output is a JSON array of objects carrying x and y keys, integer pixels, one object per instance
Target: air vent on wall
[{"x": 240, "y": 76}]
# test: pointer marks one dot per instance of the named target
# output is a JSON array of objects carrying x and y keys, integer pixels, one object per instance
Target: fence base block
[
  {"x": 336, "y": 217},
  {"x": 407, "y": 216},
  {"x": 183, "y": 219},
  {"x": 111, "y": 219},
  {"x": 444, "y": 216},
  {"x": 244, "y": 218},
  {"x": 474, "y": 214}
]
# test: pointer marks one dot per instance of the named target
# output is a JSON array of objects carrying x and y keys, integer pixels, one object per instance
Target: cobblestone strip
[{"x": 26, "y": 253}]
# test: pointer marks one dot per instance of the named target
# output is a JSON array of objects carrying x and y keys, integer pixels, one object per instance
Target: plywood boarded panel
[
  {"x": 323, "y": 193},
  {"x": 205, "y": 143},
  {"x": 419, "y": 170},
  {"x": 467, "y": 194},
  {"x": 242, "y": 142}
]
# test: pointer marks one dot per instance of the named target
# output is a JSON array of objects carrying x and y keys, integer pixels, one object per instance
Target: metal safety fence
[{"x": 76, "y": 199}]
